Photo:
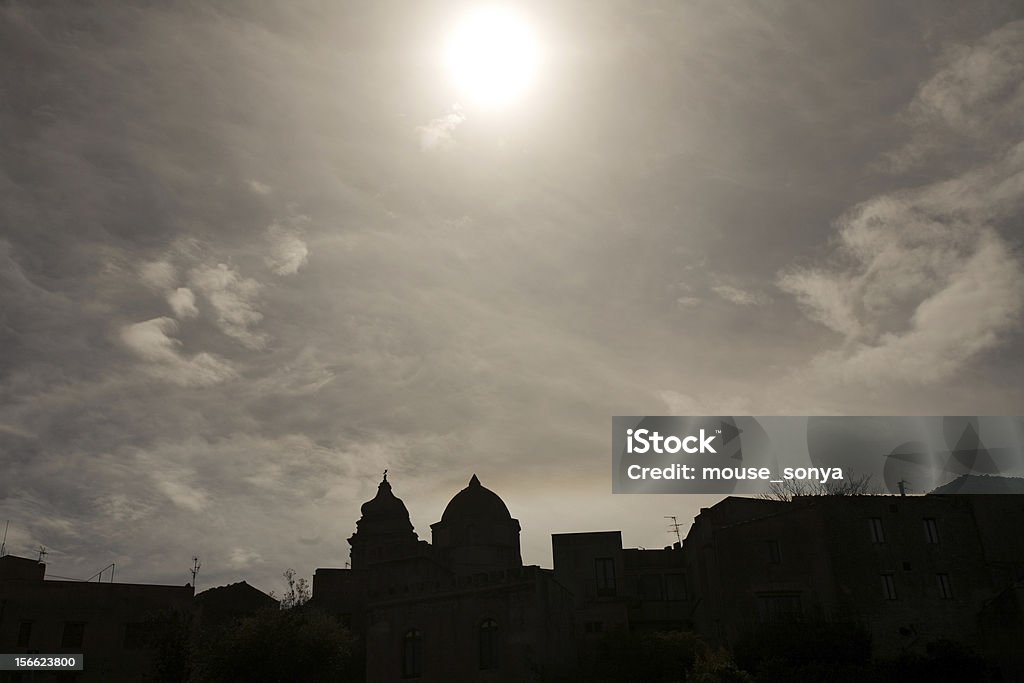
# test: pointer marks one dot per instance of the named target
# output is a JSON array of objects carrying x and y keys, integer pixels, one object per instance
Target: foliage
[
  {"x": 943, "y": 660},
  {"x": 169, "y": 635},
  {"x": 278, "y": 645},
  {"x": 788, "y": 489},
  {"x": 660, "y": 657},
  {"x": 298, "y": 593},
  {"x": 841, "y": 653},
  {"x": 776, "y": 651},
  {"x": 717, "y": 666}
]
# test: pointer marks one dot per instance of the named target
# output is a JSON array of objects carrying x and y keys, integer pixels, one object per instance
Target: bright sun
[{"x": 492, "y": 57}]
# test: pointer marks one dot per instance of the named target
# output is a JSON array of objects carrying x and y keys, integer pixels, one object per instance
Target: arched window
[
  {"x": 488, "y": 644},
  {"x": 412, "y": 654}
]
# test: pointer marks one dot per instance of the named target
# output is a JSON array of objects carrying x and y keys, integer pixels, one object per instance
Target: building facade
[
  {"x": 911, "y": 570},
  {"x": 461, "y": 608},
  {"x": 110, "y": 623}
]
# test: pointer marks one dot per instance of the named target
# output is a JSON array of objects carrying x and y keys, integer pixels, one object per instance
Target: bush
[{"x": 278, "y": 645}]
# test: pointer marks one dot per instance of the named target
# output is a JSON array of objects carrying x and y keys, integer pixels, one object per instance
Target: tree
[
  {"x": 298, "y": 644},
  {"x": 298, "y": 592},
  {"x": 788, "y": 489},
  {"x": 658, "y": 657}
]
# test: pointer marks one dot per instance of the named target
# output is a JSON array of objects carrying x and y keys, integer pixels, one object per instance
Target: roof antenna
[
  {"x": 195, "y": 570},
  {"x": 3, "y": 544},
  {"x": 674, "y": 526},
  {"x": 42, "y": 554}
]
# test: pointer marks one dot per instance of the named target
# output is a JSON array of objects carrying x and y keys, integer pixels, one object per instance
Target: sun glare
[{"x": 492, "y": 57}]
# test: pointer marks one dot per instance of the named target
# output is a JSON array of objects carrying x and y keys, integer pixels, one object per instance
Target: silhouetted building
[
  {"x": 110, "y": 623},
  {"x": 912, "y": 570},
  {"x": 226, "y": 604},
  {"x": 620, "y": 588},
  {"x": 461, "y": 609},
  {"x": 1001, "y": 631}
]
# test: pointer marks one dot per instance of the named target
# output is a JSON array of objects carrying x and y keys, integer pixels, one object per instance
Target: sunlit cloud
[
  {"x": 439, "y": 132},
  {"x": 288, "y": 252},
  {"x": 233, "y": 299},
  {"x": 152, "y": 342}
]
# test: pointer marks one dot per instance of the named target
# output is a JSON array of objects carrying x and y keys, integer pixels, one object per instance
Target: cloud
[
  {"x": 417, "y": 340},
  {"x": 185, "y": 496},
  {"x": 124, "y": 508},
  {"x": 677, "y": 403},
  {"x": 438, "y": 132},
  {"x": 256, "y": 187},
  {"x": 977, "y": 95},
  {"x": 896, "y": 252},
  {"x": 687, "y": 301},
  {"x": 183, "y": 303},
  {"x": 243, "y": 558},
  {"x": 921, "y": 282},
  {"x": 158, "y": 275},
  {"x": 980, "y": 303},
  {"x": 151, "y": 341},
  {"x": 288, "y": 251},
  {"x": 980, "y": 85},
  {"x": 738, "y": 296},
  {"x": 233, "y": 300}
]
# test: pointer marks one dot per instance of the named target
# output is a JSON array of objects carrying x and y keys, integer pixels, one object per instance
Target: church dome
[
  {"x": 384, "y": 533},
  {"x": 385, "y": 511},
  {"x": 476, "y": 503}
]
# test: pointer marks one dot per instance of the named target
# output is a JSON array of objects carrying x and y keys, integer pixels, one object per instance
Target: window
[
  {"x": 945, "y": 587},
  {"x": 651, "y": 587},
  {"x": 74, "y": 634},
  {"x": 412, "y": 654},
  {"x": 779, "y": 607},
  {"x": 594, "y": 627},
  {"x": 888, "y": 587},
  {"x": 675, "y": 586},
  {"x": 931, "y": 530},
  {"x": 877, "y": 531},
  {"x": 774, "y": 552},
  {"x": 24, "y": 633},
  {"x": 605, "y": 568},
  {"x": 488, "y": 644}
]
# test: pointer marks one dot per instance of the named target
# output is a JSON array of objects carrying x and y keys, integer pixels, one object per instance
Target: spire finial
[
  {"x": 385, "y": 475},
  {"x": 474, "y": 481}
]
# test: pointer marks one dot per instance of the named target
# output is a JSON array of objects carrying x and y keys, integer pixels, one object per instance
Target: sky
[{"x": 252, "y": 254}]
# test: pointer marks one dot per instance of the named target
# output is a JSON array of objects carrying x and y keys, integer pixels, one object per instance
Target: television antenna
[
  {"x": 194, "y": 570},
  {"x": 674, "y": 527}
]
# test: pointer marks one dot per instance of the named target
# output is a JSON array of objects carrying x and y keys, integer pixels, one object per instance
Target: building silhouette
[
  {"x": 119, "y": 627},
  {"x": 463, "y": 608},
  {"x": 111, "y": 623},
  {"x": 910, "y": 571}
]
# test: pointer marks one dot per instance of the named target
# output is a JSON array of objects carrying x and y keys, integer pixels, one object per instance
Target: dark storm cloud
[{"x": 252, "y": 255}]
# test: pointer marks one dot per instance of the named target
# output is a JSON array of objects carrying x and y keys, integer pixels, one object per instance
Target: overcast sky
[{"x": 251, "y": 255}]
